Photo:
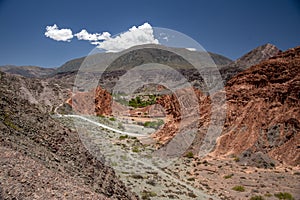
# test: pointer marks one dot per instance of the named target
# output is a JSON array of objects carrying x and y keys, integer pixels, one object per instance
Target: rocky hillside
[
  {"x": 262, "y": 112},
  {"x": 45, "y": 93},
  {"x": 27, "y": 71},
  {"x": 251, "y": 58},
  {"x": 41, "y": 159}
]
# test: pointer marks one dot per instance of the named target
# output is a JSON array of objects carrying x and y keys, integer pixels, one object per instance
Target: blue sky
[{"x": 230, "y": 28}]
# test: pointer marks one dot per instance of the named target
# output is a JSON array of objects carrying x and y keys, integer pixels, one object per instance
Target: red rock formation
[
  {"x": 95, "y": 102},
  {"x": 262, "y": 111},
  {"x": 183, "y": 116},
  {"x": 172, "y": 109}
]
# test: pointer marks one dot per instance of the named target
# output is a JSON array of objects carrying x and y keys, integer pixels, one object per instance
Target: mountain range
[
  {"x": 43, "y": 158},
  {"x": 27, "y": 71}
]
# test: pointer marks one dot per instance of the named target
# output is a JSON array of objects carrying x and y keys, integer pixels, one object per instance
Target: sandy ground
[
  {"x": 186, "y": 178},
  {"x": 219, "y": 176}
]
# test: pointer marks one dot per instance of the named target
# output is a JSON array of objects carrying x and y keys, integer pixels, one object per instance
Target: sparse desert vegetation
[
  {"x": 284, "y": 195},
  {"x": 123, "y": 152},
  {"x": 239, "y": 188},
  {"x": 257, "y": 198}
]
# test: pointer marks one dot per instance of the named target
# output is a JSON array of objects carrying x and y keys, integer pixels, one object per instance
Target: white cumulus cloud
[
  {"x": 57, "y": 34},
  {"x": 84, "y": 35},
  {"x": 134, "y": 36},
  {"x": 142, "y": 34}
]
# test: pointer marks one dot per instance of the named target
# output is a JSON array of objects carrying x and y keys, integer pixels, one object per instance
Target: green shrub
[
  {"x": 284, "y": 195},
  {"x": 154, "y": 124},
  {"x": 123, "y": 137},
  {"x": 146, "y": 195},
  {"x": 137, "y": 102},
  {"x": 190, "y": 155},
  {"x": 236, "y": 159},
  {"x": 239, "y": 188},
  {"x": 257, "y": 198},
  {"x": 272, "y": 164},
  {"x": 137, "y": 176},
  {"x": 135, "y": 149},
  {"x": 191, "y": 194},
  {"x": 268, "y": 195},
  {"x": 191, "y": 179},
  {"x": 228, "y": 176},
  {"x": 112, "y": 119},
  {"x": 10, "y": 124}
]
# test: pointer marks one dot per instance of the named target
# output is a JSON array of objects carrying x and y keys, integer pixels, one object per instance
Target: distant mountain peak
[
  {"x": 258, "y": 54},
  {"x": 253, "y": 57}
]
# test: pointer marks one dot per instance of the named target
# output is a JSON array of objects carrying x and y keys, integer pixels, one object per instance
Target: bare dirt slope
[{"x": 40, "y": 157}]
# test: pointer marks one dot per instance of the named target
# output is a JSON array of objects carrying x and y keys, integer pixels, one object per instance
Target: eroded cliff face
[
  {"x": 181, "y": 117},
  {"x": 95, "y": 102},
  {"x": 262, "y": 112}
]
